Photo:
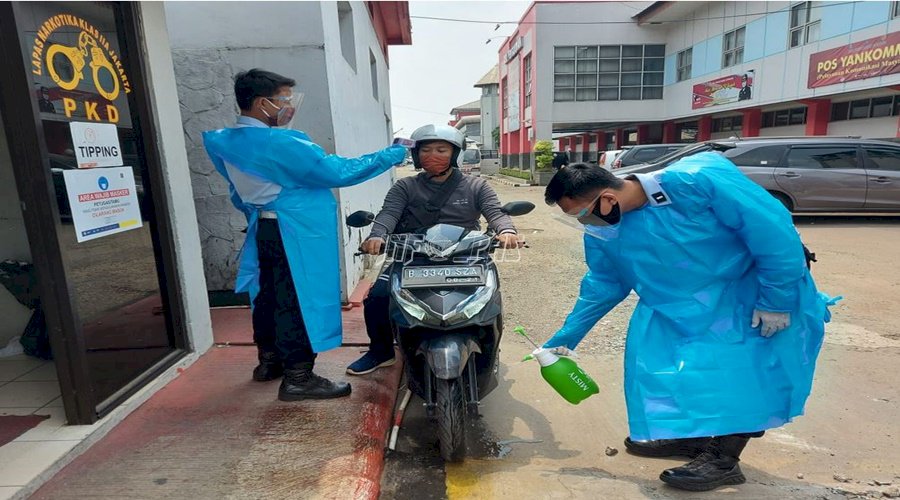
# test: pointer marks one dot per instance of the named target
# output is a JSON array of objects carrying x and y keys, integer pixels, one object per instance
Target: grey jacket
[{"x": 471, "y": 199}]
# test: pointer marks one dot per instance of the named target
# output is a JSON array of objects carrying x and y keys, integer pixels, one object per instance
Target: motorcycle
[{"x": 447, "y": 316}]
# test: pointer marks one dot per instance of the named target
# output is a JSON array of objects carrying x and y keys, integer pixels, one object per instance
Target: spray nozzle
[{"x": 520, "y": 330}]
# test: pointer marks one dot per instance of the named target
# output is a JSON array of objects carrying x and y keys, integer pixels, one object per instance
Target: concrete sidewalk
[{"x": 214, "y": 433}]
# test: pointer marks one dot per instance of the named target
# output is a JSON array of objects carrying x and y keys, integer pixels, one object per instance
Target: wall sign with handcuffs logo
[{"x": 67, "y": 66}]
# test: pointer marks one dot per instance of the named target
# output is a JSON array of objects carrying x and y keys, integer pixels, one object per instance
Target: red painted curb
[
  {"x": 360, "y": 292},
  {"x": 372, "y": 434}
]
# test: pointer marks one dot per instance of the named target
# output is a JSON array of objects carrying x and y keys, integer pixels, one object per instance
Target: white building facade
[
  {"x": 651, "y": 72},
  {"x": 338, "y": 54}
]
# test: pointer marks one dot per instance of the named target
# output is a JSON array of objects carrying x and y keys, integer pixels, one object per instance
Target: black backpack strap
[
  {"x": 427, "y": 214},
  {"x": 439, "y": 198},
  {"x": 810, "y": 257}
]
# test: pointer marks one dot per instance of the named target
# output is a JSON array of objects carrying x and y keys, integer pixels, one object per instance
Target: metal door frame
[{"x": 31, "y": 167}]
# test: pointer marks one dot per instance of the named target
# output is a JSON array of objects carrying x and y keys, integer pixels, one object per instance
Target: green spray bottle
[{"x": 562, "y": 373}]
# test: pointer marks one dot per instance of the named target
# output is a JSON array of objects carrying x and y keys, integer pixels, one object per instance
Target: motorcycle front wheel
[{"x": 451, "y": 419}]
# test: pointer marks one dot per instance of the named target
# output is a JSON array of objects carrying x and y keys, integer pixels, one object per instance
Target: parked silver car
[
  {"x": 810, "y": 174},
  {"x": 824, "y": 174}
]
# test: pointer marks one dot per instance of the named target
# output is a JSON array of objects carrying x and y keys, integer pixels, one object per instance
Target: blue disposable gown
[
  {"x": 307, "y": 213},
  {"x": 700, "y": 265}
]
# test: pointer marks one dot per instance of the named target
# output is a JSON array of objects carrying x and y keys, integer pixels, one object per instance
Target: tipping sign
[
  {"x": 96, "y": 144},
  {"x": 104, "y": 201}
]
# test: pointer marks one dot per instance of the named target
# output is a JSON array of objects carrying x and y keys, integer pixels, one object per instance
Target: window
[
  {"x": 373, "y": 70},
  {"x": 608, "y": 72},
  {"x": 684, "y": 61},
  {"x": 528, "y": 72},
  {"x": 822, "y": 157},
  {"x": 859, "y": 109},
  {"x": 804, "y": 23},
  {"x": 839, "y": 111},
  {"x": 733, "y": 47},
  {"x": 883, "y": 158},
  {"x": 348, "y": 40},
  {"x": 646, "y": 155},
  {"x": 876, "y": 107},
  {"x": 756, "y": 156},
  {"x": 895, "y": 9},
  {"x": 784, "y": 117},
  {"x": 728, "y": 124},
  {"x": 505, "y": 93},
  {"x": 882, "y": 106},
  {"x": 687, "y": 131}
]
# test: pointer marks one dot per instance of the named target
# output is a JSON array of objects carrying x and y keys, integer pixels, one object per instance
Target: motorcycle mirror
[
  {"x": 360, "y": 219},
  {"x": 516, "y": 208}
]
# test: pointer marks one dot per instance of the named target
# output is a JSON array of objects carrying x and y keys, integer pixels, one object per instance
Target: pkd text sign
[
  {"x": 92, "y": 50},
  {"x": 866, "y": 59}
]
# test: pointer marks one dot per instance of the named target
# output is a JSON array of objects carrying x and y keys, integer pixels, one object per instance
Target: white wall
[
  {"x": 208, "y": 52},
  {"x": 790, "y": 130},
  {"x": 176, "y": 176},
  {"x": 13, "y": 245},
  {"x": 490, "y": 113},
  {"x": 360, "y": 124},
  {"x": 550, "y": 35},
  {"x": 872, "y": 128},
  {"x": 779, "y": 77},
  {"x": 301, "y": 40}
]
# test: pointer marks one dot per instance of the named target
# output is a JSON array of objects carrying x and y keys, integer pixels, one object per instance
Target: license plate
[{"x": 414, "y": 277}]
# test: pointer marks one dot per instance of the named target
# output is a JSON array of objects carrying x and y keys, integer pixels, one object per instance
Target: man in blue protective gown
[
  {"x": 289, "y": 264},
  {"x": 723, "y": 342}
]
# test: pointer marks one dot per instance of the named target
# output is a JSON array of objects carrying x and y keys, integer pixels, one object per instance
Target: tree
[
  {"x": 495, "y": 134},
  {"x": 543, "y": 155}
]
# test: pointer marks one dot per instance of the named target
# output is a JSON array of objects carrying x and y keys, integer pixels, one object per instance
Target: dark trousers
[
  {"x": 277, "y": 321},
  {"x": 376, "y": 310}
]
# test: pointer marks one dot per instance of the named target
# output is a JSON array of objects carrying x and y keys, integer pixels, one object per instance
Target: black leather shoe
[
  {"x": 716, "y": 466},
  {"x": 301, "y": 383},
  {"x": 660, "y": 448},
  {"x": 269, "y": 367}
]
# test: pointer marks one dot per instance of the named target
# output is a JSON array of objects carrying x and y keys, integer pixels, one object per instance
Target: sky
[{"x": 437, "y": 72}]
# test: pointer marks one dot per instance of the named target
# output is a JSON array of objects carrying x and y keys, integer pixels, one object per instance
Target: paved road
[{"x": 529, "y": 443}]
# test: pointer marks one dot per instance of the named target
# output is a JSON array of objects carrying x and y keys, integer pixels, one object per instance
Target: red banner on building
[
  {"x": 726, "y": 90},
  {"x": 873, "y": 57}
]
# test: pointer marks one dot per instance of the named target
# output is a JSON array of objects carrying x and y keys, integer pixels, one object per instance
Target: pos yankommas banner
[{"x": 873, "y": 57}]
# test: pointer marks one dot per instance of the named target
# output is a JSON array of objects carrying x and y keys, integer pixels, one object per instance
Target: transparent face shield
[
  {"x": 287, "y": 109},
  {"x": 588, "y": 221}
]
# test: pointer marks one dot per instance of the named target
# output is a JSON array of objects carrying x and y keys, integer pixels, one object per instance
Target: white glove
[
  {"x": 564, "y": 351},
  {"x": 772, "y": 322}
]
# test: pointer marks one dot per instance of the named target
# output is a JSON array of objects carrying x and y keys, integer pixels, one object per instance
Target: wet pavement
[
  {"x": 214, "y": 433},
  {"x": 532, "y": 444}
]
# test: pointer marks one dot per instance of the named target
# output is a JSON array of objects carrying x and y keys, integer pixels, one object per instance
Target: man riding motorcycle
[{"x": 441, "y": 194}]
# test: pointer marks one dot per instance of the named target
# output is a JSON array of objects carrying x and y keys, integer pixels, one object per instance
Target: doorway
[{"x": 82, "y": 145}]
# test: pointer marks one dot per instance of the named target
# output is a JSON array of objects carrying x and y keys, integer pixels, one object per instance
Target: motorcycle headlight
[
  {"x": 474, "y": 304},
  {"x": 408, "y": 303}
]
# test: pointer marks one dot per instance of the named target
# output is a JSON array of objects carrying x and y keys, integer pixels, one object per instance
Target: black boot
[
  {"x": 301, "y": 383},
  {"x": 716, "y": 466},
  {"x": 660, "y": 448},
  {"x": 269, "y": 367}
]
